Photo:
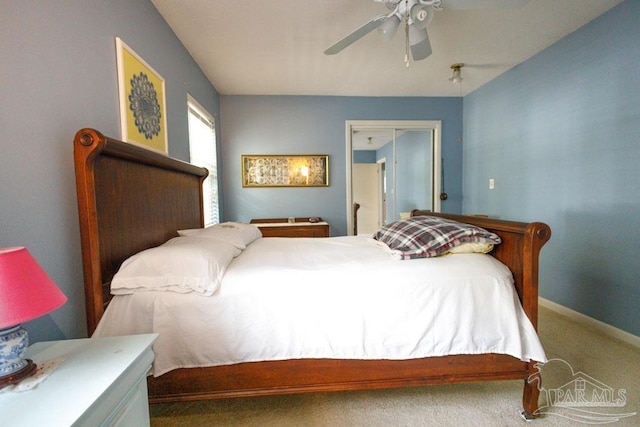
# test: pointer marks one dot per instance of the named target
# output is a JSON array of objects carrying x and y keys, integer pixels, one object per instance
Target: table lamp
[{"x": 26, "y": 292}]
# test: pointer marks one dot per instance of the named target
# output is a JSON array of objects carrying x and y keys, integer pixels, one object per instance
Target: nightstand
[
  {"x": 100, "y": 382},
  {"x": 300, "y": 227}
]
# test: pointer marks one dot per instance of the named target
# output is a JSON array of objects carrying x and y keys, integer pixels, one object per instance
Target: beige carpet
[{"x": 604, "y": 363}]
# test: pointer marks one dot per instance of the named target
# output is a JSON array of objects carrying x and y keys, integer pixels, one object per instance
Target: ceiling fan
[{"x": 416, "y": 15}]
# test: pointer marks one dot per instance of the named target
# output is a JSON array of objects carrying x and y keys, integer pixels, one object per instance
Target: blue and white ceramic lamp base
[{"x": 13, "y": 368}]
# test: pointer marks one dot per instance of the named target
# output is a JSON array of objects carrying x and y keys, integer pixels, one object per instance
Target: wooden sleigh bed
[{"x": 131, "y": 199}]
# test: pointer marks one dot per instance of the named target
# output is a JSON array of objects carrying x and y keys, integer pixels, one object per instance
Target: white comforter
[{"x": 341, "y": 297}]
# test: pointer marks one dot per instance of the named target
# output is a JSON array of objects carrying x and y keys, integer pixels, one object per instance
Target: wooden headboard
[
  {"x": 129, "y": 199},
  {"x": 519, "y": 250}
]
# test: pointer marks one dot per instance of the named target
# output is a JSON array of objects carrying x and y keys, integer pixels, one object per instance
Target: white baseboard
[{"x": 612, "y": 331}]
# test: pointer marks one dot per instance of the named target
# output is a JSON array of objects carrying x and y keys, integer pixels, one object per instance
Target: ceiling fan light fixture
[
  {"x": 457, "y": 75},
  {"x": 419, "y": 43},
  {"x": 421, "y": 15},
  {"x": 388, "y": 29},
  {"x": 416, "y": 35}
]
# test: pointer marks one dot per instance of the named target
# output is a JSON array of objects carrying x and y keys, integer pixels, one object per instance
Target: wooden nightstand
[
  {"x": 301, "y": 227},
  {"x": 101, "y": 382}
]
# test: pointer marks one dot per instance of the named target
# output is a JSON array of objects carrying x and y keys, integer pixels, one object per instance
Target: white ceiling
[{"x": 275, "y": 47}]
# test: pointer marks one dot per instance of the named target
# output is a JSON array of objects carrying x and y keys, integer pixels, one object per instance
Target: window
[{"x": 202, "y": 150}]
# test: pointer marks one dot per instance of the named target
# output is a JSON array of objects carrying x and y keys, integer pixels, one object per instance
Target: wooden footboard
[
  {"x": 519, "y": 250},
  {"x": 130, "y": 199}
]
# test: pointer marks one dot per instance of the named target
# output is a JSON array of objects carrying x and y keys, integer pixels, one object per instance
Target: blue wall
[
  {"x": 560, "y": 134},
  {"x": 58, "y": 74},
  {"x": 316, "y": 125}
]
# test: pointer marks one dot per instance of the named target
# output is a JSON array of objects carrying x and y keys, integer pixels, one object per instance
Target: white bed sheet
[{"x": 339, "y": 297}]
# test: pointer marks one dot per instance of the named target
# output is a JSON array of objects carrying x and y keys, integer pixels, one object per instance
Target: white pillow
[
  {"x": 471, "y": 248},
  {"x": 236, "y": 233},
  {"x": 182, "y": 264}
]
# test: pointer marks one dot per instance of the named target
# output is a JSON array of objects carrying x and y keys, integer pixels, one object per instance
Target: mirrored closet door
[{"x": 393, "y": 168}]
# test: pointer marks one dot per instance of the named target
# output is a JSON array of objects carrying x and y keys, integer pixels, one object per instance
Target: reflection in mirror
[
  {"x": 413, "y": 184},
  {"x": 370, "y": 178},
  {"x": 392, "y": 173}
]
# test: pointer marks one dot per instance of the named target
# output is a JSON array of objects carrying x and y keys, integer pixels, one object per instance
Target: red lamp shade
[{"x": 26, "y": 291}]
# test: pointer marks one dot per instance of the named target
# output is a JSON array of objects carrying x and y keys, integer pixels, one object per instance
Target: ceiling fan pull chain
[
  {"x": 406, "y": 50},
  {"x": 406, "y": 33}
]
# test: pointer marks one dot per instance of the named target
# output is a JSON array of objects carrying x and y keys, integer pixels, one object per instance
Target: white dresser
[{"x": 99, "y": 382}]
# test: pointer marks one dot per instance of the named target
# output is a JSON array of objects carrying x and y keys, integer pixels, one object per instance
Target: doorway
[{"x": 392, "y": 168}]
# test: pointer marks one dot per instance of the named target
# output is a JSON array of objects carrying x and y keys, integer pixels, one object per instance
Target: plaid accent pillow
[{"x": 430, "y": 236}]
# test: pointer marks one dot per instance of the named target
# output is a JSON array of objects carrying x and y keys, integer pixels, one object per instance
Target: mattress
[{"x": 339, "y": 298}]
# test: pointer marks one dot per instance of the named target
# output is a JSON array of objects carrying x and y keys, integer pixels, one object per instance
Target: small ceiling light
[{"x": 457, "y": 76}]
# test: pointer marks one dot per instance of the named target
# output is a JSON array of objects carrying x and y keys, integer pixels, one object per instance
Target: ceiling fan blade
[
  {"x": 482, "y": 4},
  {"x": 419, "y": 43},
  {"x": 357, "y": 35}
]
